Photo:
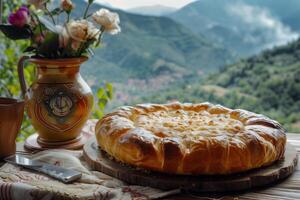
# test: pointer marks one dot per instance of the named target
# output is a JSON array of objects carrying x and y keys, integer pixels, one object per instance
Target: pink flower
[{"x": 20, "y": 18}]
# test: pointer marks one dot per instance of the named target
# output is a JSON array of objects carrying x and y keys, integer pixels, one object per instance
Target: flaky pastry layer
[{"x": 191, "y": 138}]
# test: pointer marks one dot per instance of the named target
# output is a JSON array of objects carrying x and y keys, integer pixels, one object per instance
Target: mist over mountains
[{"x": 243, "y": 26}]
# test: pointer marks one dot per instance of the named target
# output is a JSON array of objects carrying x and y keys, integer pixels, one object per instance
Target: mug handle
[{"x": 21, "y": 65}]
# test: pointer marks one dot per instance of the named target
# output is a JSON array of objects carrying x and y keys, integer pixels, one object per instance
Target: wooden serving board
[{"x": 100, "y": 161}]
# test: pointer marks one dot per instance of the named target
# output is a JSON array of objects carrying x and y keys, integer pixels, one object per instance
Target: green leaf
[
  {"x": 16, "y": 33},
  {"x": 29, "y": 49},
  {"x": 50, "y": 45},
  {"x": 98, "y": 114},
  {"x": 100, "y": 93},
  {"x": 102, "y": 103},
  {"x": 109, "y": 90},
  {"x": 104, "y": 95}
]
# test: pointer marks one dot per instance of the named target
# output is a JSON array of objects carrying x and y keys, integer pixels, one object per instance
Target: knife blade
[{"x": 56, "y": 172}]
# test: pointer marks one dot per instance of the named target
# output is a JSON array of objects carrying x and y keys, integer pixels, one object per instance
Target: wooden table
[{"x": 288, "y": 189}]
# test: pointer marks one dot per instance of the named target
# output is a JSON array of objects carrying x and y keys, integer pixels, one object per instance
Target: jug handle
[{"x": 21, "y": 65}]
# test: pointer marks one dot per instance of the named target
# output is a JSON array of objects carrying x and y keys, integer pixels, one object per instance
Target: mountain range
[
  {"x": 243, "y": 26},
  {"x": 151, "y": 53},
  {"x": 196, "y": 39},
  {"x": 150, "y": 46}
]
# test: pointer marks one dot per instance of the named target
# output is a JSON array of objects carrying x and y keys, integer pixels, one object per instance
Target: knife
[{"x": 59, "y": 173}]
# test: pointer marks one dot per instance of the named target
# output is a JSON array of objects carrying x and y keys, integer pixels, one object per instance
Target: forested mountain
[
  {"x": 268, "y": 83},
  {"x": 244, "y": 26},
  {"x": 150, "y": 46}
]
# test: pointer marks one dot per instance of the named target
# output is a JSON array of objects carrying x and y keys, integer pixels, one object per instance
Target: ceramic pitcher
[{"x": 59, "y": 102}]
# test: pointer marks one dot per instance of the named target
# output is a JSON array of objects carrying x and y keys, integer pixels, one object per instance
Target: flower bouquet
[
  {"x": 59, "y": 101},
  {"x": 49, "y": 39}
]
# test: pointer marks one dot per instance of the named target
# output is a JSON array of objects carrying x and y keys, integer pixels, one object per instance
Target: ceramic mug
[{"x": 11, "y": 116}]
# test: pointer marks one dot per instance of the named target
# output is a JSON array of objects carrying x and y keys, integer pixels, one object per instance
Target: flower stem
[
  {"x": 86, "y": 11},
  {"x": 68, "y": 17},
  {"x": 40, "y": 24},
  {"x": 100, "y": 36},
  {"x": 80, "y": 49},
  {"x": 50, "y": 15}
]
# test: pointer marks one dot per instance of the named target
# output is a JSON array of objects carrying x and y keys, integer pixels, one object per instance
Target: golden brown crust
[{"x": 191, "y": 138}]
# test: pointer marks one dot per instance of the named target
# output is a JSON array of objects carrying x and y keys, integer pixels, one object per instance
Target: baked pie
[{"x": 191, "y": 138}]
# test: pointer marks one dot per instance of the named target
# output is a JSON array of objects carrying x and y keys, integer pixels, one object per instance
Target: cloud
[{"x": 262, "y": 27}]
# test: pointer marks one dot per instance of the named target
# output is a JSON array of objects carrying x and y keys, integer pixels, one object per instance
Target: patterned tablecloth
[{"x": 17, "y": 183}]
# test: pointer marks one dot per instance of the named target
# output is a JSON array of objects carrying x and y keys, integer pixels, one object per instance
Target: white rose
[
  {"x": 77, "y": 32},
  {"x": 108, "y": 20},
  {"x": 82, "y": 30},
  {"x": 38, "y": 4},
  {"x": 65, "y": 39}
]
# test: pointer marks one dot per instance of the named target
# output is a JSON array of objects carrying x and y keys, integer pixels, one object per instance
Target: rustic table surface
[{"x": 288, "y": 189}]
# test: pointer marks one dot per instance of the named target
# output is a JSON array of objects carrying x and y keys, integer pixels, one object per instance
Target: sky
[{"x": 125, "y": 4}]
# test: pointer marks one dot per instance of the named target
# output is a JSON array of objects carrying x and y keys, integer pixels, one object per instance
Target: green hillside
[
  {"x": 268, "y": 83},
  {"x": 150, "y": 46}
]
